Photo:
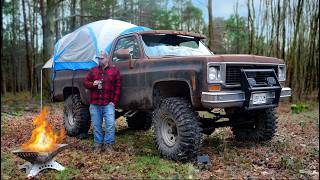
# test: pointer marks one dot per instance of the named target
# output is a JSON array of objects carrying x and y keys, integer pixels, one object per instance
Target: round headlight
[{"x": 212, "y": 76}]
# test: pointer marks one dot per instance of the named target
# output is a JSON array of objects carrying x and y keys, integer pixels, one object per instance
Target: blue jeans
[{"x": 97, "y": 114}]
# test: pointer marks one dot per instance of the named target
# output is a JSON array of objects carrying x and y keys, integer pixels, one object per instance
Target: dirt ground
[{"x": 293, "y": 152}]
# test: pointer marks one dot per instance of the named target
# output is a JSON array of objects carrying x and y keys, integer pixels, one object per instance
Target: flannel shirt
[{"x": 110, "y": 91}]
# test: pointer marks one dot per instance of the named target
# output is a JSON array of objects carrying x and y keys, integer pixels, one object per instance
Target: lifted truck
[{"x": 167, "y": 77}]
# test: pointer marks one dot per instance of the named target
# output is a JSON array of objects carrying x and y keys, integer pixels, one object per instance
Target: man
[{"x": 104, "y": 84}]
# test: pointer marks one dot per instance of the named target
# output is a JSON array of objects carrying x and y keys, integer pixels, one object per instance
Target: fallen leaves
[{"x": 293, "y": 153}]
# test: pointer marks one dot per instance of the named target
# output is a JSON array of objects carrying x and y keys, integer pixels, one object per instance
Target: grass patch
[
  {"x": 298, "y": 108},
  {"x": 280, "y": 144},
  {"x": 7, "y": 166},
  {"x": 291, "y": 163},
  {"x": 140, "y": 140},
  {"x": 313, "y": 152},
  {"x": 154, "y": 167},
  {"x": 68, "y": 173}
]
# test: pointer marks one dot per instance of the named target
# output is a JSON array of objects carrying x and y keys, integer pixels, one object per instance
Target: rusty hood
[
  {"x": 237, "y": 58},
  {"x": 243, "y": 58}
]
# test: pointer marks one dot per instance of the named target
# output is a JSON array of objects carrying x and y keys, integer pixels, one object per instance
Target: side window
[{"x": 128, "y": 43}]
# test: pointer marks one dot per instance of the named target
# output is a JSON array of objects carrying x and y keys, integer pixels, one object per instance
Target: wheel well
[
  {"x": 165, "y": 89},
  {"x": 68, "y": 91}
]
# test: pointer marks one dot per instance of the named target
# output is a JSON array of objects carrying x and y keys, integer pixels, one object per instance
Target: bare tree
[{"x": 210, "y": 28}]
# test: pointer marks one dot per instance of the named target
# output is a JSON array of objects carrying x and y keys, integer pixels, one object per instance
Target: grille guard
[{"x": 250, "y": 88}]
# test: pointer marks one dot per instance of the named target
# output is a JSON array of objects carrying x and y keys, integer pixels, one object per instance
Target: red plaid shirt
[{"x": 110, "y": 91}]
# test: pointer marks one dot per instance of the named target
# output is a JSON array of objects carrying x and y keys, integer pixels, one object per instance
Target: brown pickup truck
[{"x": 170, "y": 78}]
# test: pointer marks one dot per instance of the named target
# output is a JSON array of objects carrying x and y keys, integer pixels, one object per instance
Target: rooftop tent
[{"x": 77, "y": 50}]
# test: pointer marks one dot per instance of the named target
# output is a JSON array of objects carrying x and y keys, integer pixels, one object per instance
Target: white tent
[{"x": 78, "y": 50}]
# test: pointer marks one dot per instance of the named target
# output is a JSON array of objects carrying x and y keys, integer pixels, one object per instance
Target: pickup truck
[{"x": 170, "y": 79}]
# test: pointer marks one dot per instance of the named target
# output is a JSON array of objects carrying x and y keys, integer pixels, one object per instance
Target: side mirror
[
  {"x": 125, "y": 55},
  {"x": 122, "y": 54}
]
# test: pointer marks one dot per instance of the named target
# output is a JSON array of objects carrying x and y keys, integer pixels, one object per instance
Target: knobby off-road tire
[
  {"x": 177, "y": 130},
  {"x": 77, "y": 121},
  {"x": 263, "y": 128},
  {"x": 140, "y": 121}
]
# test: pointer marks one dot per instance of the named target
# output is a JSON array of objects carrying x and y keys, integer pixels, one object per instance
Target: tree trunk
[
  {"x": 210, "y": 28},
  {"x": 81, "y": 13},
  {"x": 29, "y": 64},
  {"x": 3, "y": 71},
  {"x": 278, "y": 30},
  {"x": 293, "y": 77},
  {"x": 283, "y": 56},
  {"x": 47, "y": 16},
  {"x": 73, "y": 13},
  {"x": 13, "y": 55}
]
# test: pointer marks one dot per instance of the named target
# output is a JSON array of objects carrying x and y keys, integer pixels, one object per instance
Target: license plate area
[
  {"x": 259, "y": 98},
  {"x": 260, "y": 95}
]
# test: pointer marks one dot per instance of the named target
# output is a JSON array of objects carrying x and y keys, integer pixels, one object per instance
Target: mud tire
[
  {"x": 183, "y": 123},
  {"x": 263, "y": 128},
  {"x": 76, "y": 121}
]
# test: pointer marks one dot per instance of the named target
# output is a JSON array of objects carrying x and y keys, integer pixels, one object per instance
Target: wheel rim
[{"x": 169, "y": 131}]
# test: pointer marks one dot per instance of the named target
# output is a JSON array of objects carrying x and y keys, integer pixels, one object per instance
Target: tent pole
[{"x": 41, "y": 89}]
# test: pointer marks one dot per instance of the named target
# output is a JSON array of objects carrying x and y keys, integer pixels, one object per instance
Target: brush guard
[{"x": 261, "y": 87}]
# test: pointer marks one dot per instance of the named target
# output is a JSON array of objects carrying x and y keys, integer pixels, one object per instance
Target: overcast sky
[{"x": 223, "y": 8}]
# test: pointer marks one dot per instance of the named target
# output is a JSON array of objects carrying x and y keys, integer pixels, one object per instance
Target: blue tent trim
[{"x": 75, "y": 65}]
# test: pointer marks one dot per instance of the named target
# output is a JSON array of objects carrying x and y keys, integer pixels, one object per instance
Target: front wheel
[
  {"x": 177, "y": 130},
  {"x": 263, "y": 125},
  {"x": 76, "y": 116}
]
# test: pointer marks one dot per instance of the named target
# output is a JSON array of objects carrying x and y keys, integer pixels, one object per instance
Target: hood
[
  {"x": 237, "y": 58},
  {"x": 243, "y": 58}
]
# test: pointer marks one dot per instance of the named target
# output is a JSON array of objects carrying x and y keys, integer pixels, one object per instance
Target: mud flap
[{"x": 260, "y": 83}]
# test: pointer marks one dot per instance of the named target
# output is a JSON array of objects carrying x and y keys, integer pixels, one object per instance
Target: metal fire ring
[{"x": 38, "y": 161}]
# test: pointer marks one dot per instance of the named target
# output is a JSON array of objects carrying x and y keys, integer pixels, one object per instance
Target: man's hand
[{"x": 96, "y": 82}]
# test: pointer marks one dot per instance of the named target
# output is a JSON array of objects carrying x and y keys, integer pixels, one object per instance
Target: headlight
[
  {"x": 282, "y": 72},
  {"x": 214, "y": 74}
]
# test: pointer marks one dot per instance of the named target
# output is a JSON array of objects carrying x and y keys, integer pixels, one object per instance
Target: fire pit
[
  {"x": 38, "y": 161},
  {"x": 43, "y": 145}
]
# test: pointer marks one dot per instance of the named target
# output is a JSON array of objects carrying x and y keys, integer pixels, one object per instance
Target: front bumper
[{"x": 223, "y": 99}]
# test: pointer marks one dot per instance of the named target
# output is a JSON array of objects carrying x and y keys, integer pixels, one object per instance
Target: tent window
[{"x": 128, "y": 43}]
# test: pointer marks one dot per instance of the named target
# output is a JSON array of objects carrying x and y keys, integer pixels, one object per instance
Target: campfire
[
  {"x": 43, "y": 138},
  {"x": 42, "y": 147}
]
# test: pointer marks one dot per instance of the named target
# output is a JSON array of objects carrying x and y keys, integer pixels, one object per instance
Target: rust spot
[{"x": 193, "y": 82}]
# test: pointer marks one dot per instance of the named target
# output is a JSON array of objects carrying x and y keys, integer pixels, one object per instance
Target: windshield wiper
[{"x": 169, "y": 55}]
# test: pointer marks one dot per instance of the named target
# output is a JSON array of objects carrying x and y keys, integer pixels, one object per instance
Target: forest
[{"x": 284, "y": 29}]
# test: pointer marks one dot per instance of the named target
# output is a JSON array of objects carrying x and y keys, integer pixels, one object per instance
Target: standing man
[{"x": 103, "y": 81}]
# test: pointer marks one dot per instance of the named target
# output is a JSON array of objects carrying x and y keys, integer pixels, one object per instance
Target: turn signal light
[{"x": 214, "y": 87}]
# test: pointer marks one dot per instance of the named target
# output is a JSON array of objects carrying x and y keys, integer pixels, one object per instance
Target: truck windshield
[{"x": 156, "y": 45}]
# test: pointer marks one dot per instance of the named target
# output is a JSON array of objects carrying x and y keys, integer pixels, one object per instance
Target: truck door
[{"x": 131, "y": 78}]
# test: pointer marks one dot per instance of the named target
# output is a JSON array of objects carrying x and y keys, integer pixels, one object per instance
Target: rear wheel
[
  {"x": 177, "y": 130},
  {"x": 140, "y": 121},
  {"x": 262, "y": 128},
  {"x": 76, "y": 116}
]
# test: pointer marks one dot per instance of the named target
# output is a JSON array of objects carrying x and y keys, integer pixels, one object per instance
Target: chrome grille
[{"x": 233, "y": 73}]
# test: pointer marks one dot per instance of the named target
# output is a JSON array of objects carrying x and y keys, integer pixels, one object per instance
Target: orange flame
[{"x": 43, "y": 138}]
